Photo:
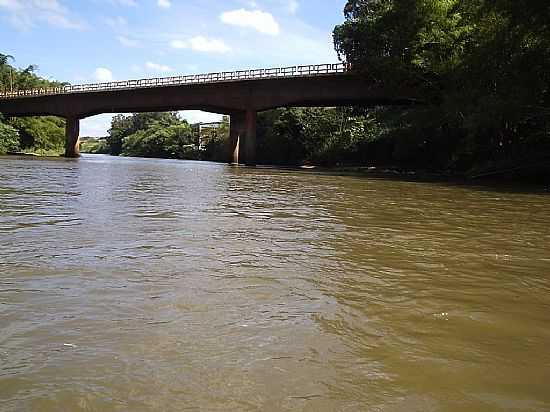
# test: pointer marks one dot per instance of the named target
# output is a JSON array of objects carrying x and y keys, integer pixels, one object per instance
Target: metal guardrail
[{"x": 282, "y": 72}]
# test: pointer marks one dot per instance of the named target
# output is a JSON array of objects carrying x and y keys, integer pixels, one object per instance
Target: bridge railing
[{"x": 254, "y": 74}]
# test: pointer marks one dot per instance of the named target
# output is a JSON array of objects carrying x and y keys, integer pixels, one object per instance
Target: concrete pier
[
  {"x": 250, "y": 140},
  {"x": 236, "y": 137},
  {"x": 72, "y": 137}
]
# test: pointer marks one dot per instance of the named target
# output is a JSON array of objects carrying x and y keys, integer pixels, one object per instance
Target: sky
[{"x": 83, "y": 41}]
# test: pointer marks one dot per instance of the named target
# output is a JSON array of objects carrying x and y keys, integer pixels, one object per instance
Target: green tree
[
  {"x": 9, "y": 139},
  {"x": 6, "y": 72},
  {"x": 325, "y": 136},
  {"x": 123, "y": 126},
  {"x": 46, "y": 133},
  {"x": 216, "y": 141},
  {"x": 483, "y": 65},
  {"x": 34, "y": 133},
  {"x": 161, "y": 135}
]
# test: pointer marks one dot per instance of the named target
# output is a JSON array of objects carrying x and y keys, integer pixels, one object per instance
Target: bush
[
  {"x": 159, "y": 141},
  {"x": 45, "y": 133},
  {"x": 94, "y": 146},
  {"x": 9, "y": 139}
]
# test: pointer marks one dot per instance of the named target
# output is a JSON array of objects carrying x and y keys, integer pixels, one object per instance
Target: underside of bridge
[{"x": 241, "y": 100}]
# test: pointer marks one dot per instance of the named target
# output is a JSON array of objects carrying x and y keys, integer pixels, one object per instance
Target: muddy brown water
[{"x": 155, "y": 285}]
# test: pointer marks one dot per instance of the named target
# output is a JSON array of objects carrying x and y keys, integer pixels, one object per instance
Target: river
[{"x": 158, "y": 285}]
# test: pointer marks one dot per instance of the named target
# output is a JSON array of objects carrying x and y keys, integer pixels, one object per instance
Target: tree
[
  {"x": 124, "y": 126},
  {"x": 34, "y": 133},
  {"x": 41, "y": 133},
  {"x": 121, "y": 126},
  {"x": 484, "y": 63},
  {"x": 4, "y": 58},
  {"x": 162, "y": 135},
  {"x": 216, "y": 142},
  {"x": 9, "y": 139},
  {"x": 6, "y": 72}
]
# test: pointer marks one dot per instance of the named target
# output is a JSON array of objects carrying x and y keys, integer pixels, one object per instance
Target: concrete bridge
[{"x": 239, "y": 94}]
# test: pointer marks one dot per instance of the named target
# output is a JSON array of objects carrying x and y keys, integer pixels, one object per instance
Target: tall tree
[{"x": 486, "y": 63}]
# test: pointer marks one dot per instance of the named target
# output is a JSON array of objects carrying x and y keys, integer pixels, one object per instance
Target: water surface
[{"x": 154, "y": 285}]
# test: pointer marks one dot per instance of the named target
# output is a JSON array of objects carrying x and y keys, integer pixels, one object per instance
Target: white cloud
[
  {"x": 201, "y": 44},
  {"x": 293, "y": 6},
  {"x": 10, "y": 5},
  {"x": 128, "y": 3},
  {"x": 25, "y": 14},
  {"x": 197, "y": 116},
  {"x": 179, "y": 44},
  {"x": 160, "y": 68},
  {"x": 256, "y": 19},
  {"x": 103, "y": 75},
  {"x": 116, "y": 22},
  {"x": 165, "y": 4},
  {"x": 149, "y": 69},
  {"x": 127, "y": 42}
]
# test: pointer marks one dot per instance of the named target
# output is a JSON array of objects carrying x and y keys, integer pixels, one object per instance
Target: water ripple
[{"x": 161, "y": 285}]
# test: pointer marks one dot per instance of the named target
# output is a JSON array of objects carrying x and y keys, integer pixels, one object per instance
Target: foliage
[
  {"x": 41, "y": 133},
  {"x": 123, "y": 126},
  {"x": 174, "y": 141},
  {"x": 325, "y": 136},
  {"x": 484, "y": 63},
  {"x": 37, "y": 134},
  {"x": 161, "y": 135},
  {"x": 9, "y": 139},
  {"x": 215, "y": 141},
  {"x": 94, "y": 146},
  {"x": 13, "y": 79}
]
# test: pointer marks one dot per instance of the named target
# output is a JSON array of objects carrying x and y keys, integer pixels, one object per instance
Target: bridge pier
[
  {"x": 72, "y": 138},
  {"x": 242, "y": 138},
  {"x": 250, "y": 141},
  {"x": 236, "y": 137}
]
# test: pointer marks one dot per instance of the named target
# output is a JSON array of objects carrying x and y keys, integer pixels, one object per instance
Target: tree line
[
  {"x": 483, "y": 67},
  {"x": 162, "y": 135},
  {"x": 43, "y": 135}
]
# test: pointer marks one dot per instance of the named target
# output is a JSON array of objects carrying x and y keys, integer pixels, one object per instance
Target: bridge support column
[
  {"x": 72, "y": 138},
  {"x": 250, "y": 141},
  {"x": 242, "y": 138},
  {"x": 236, "y": 137}
]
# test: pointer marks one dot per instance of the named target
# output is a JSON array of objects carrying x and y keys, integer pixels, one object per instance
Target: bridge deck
[{"x": 222, "y": 77}]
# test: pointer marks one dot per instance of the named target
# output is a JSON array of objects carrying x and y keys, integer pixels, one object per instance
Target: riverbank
[
  {"x": 515, "y": 184},
  {"x": 504, "y": 180},
  {"x": 38, "y": 153},
  {"x": 503, "y": 175}
]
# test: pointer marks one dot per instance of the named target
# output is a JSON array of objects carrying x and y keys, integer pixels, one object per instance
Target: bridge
[{"x": 238, "y": 94}]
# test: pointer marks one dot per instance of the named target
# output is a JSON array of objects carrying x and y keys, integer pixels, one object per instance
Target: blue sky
[{"x": 82, "y": 41}]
